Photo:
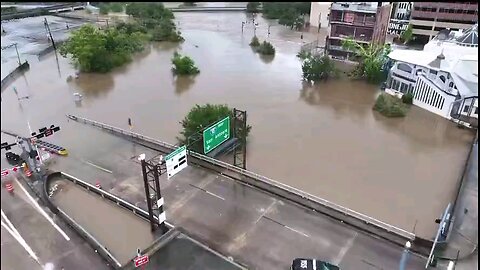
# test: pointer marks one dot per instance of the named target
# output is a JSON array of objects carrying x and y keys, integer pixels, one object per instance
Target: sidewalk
[{"x": 464, "y": 235}]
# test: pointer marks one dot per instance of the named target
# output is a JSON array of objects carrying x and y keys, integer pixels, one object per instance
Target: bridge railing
[{"x": 306, "y": 196}]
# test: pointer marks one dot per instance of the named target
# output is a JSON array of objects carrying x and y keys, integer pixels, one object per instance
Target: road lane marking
[
  {"x": 41, "y": 211},
  {"x": 96, "y": 166},
  {"x": 9, "y": 223},
  {"x": 345, "y": 249},
  {"x": 208, "y": 192},
  {"x": 297, "y": 231},
  {"x": 21, "y": 241}
]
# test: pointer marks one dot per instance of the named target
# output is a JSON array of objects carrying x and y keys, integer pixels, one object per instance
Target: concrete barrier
[
  {"x": 351, "y": 217},
  {"x": 15, "y": 74}
]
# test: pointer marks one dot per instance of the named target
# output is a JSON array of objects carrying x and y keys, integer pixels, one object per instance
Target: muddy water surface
[{"x": 323, "y": 139}]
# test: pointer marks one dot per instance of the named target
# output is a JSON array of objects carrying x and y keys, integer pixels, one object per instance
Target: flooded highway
[
  {"x": 323, "y": 139},
  {"x": 109, "y": 224}
]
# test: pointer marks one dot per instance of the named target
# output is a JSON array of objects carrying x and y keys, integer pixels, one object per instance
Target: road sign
[
  {"x": 216, "y": 134},
  {"x": 141, "y": 260},
  {"x": 176, "y": 161}
]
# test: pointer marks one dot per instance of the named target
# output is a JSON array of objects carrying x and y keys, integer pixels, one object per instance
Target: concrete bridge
[
  {"x": 44, "y": 10},
  {"x": 207, "y": 9}
]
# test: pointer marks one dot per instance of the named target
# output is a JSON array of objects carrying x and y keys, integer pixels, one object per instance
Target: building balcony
[
  {"x": 366, "y": 23},
  {"x": 445, "y": 5},
  {"x": 462, "y": 17}
]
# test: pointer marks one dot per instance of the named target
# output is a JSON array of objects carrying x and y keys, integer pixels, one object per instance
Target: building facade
[
  {"x": 443, "y": 78},
  {"x": 319, "y": 13},
  {"x": 428, "y": 18},
  {"x": 365, "y": 22},
  {"x": 399, "y": 18}
]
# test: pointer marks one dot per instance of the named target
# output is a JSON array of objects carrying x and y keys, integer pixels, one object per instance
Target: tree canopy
[
  {"x": 373, "y": 58},
  {"x": 183, "y": 65},
  {"x": 289, "y": 14},
  {"x": 95, "y": 50},
  {"x": 316, "y": 68},
  {"x": 201, "y": 117}
]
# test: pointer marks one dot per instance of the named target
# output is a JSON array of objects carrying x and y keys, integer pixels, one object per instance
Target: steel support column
[{"x": 240, "y": 132}]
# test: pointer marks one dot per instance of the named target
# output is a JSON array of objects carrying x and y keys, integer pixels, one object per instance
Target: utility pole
[
  {"x": 49, "y": 33},
  {"x": 18, "y": 55}
]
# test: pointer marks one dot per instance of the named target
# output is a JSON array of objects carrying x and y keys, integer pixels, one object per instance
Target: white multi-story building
[
  {"x": 443, "y": 77},
  {"x": 319, "y": 12},
  {"x": 401, "y": 10}
]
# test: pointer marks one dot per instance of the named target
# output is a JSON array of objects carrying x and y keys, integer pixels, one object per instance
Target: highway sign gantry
[
  {"x": 176, "y": 161},
  {"x": 216, "y": 134}
]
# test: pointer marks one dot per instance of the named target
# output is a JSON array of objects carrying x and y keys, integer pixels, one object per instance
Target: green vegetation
[
  {"x": 188, "y": 4},
  {"x": 183, "y": 65},
  {"x": 252, "y": 7},
  {"x": 289, "y": 14},
  {"x": 6, "y": 10},
  {"x": 407, "y": 98},
  {"x": 390, "y": 106},
  {"x": 201, "y": 117},
  {"x": 105, "y": 8},
  {"x": 407, "y": 35},
  {"x": 316, "y": 68},
  {"x": 157, "y": 20},
  {"x": 255, "y": 42},
  {"x": 372, "y": 60},
  {"x": 95, "y": 50},
  {"x": 304, "y": 54},
  {"x": 266, "y": 48}
]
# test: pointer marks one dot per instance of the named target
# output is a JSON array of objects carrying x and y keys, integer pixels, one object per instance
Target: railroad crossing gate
[{"x": 176, "y": 161}]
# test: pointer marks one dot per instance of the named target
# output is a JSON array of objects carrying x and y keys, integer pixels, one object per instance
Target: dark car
[
  {"x": 312, "y": 264},
  {"x": 13, "y": 159}
]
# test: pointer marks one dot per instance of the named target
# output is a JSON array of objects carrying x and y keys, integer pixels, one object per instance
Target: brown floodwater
[{"x": 323, "y": 139}]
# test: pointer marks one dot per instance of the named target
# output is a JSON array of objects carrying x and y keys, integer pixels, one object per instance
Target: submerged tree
[
  {"x": 372, "y": 57},
  {"x": 316, "y": 68},
  {"x": 183, "y": 65},
  {"x": 201, "y": 117}
]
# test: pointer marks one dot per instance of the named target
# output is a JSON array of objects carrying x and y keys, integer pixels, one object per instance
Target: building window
[
  {"x": 465, "y": 109},
  {"x": 442, "y": 78},
  {"x": 404, "y": 88},
  {"x": 433, "y": 72},
  {"x": 450, "y": 84},
  {"x": 476, "y": 110},
  {"x": 404, "y": 67}
]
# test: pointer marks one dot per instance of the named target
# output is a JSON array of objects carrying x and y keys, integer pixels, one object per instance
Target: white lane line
[
  {"x": 96, "y": 166},
  {"x": 215, "y": 195},
  {"x": 297, "y": 231},
  {"x": 41, "y": 211},
  {"x": 344, "y": 250},
  {"x": 266, "y": 211},
  {"x": 9, "y": 223},
  {"x": 22, "y": 242}
]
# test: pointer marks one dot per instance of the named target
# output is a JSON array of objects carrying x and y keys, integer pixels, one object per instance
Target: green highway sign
[{"x": 216, "y": 134}]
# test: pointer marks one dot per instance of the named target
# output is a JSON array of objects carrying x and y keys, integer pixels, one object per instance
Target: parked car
[
  {"x": 312, "y": 264},
  {"x": 13, "y": 159}
]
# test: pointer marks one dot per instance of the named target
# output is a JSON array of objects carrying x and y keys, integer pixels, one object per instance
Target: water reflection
[
  {"x": 267, "y": 59},
  {"x": 183, "y": 83},
  {"x": 93, "y": 85}
]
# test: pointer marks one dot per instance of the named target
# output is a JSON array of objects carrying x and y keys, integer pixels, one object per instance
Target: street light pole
[
  {"x": 403, "y": 260},
  {"x": 18, "y": 55}
]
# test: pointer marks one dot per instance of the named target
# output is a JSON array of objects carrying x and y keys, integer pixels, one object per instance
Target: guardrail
[
  {"x": 276, "y": 188},
  {"x": 207, "y": 9}
]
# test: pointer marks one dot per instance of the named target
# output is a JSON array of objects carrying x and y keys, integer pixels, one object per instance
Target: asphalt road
[{"x": 257, "y": 229}]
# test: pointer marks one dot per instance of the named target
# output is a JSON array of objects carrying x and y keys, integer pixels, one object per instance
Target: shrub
[
  {"x": 255, "y": 42},
  {"x": 316, "y": 68},
  {"x": 252, "y": 7},
  {"x": 183, "y": 65},
  {"x": 116, "y": 7},
  {"x": 304, "y": 54},
  {"x": 201, "y": 117},
  {"x": 166, "y": 31},
  {"x": 104, "y": 9},
  {"x": 189, "y": 4},
  {"x": 390, "y": 106},
  {"x": 407, "y": 98},
  {"x": 266, "y": 48}
]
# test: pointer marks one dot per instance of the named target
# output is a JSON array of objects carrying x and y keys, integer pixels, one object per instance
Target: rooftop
[{"x": 365, "y": 7}]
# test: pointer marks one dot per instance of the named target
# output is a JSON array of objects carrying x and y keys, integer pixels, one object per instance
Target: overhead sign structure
[
  {"x": 216, "y": 134},
  {"x": 141, "y": 260},
  {"x": 176, "y": 161}
]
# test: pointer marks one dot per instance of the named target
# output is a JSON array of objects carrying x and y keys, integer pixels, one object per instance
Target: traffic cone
[
  {"x": 28, "y": 173},
  {"x": 9, "y": 187}
]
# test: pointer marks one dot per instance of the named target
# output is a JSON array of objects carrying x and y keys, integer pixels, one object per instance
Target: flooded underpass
[
  {"x": 323, "y": 139},
  {"x": 111, "y": 225}
]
